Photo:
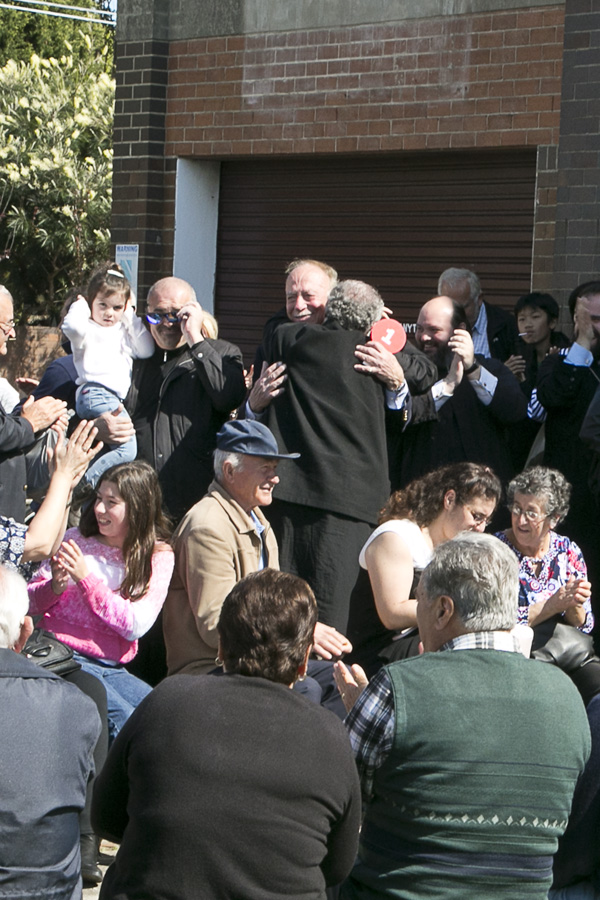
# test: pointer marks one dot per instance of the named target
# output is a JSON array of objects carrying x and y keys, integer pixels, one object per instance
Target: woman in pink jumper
[{"x": 106, "y": 585}]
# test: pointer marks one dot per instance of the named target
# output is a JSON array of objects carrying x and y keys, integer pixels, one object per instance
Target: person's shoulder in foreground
[
  {"x": 271, "y": 772},
  {"x": 49, "y": 730}
]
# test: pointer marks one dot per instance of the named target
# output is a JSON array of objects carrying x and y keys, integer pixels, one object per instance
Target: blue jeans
[
  {"x": 123, "y": 690},
  {"x": 91, "y": 401}
]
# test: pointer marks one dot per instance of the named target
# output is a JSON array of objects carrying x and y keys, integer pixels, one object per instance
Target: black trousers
[{"x": 323, "y": 548}]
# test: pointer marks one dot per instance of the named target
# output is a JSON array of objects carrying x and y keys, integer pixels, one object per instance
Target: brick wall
[
  {"x": 577, "y": 246},
  {"x": 545, "y": 212},
  {"x": 28, "y": 355},
  {"x": 143, "y": 178},
  {"x": 480, "y": 80},
  {"x": 465, "y": 81}
]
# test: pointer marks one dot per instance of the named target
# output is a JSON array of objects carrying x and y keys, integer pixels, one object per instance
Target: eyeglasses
[
  {"x": 478, "y": 517},
  {"x": 7, "y": 327},
  {"x": 530, "y": 514},
  {"x": 160, "y": 318}
]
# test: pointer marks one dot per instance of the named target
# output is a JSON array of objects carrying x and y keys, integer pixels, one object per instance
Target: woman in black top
[{"x": 234, "y": 786}]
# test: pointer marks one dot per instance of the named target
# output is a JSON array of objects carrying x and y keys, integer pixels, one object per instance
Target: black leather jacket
[{"x": 198, "y": 388}]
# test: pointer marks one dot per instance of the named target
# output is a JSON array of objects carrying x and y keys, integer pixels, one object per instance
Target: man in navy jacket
[{"x": 49, "y": 730}]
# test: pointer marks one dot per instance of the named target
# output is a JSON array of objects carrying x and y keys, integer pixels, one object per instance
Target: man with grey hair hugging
[{"x": 339, "y": 383}]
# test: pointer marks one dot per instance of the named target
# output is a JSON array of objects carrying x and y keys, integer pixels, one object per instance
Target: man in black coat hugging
[{"x": 332, "y": 411}]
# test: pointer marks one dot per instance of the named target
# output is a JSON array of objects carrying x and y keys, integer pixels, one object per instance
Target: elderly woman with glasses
[{"x": 553, "y": 573}]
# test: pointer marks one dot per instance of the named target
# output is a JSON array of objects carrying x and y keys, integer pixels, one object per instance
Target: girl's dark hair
[
  {"x": 267, "y": 624},
  {"x": 137, "y": 483},
  {"x": 110, "y": 279},
  {"x": 422, "y": 500}
]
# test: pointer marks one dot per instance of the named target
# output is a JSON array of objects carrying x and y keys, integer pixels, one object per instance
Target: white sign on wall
[{"x": 127, "y": 255}]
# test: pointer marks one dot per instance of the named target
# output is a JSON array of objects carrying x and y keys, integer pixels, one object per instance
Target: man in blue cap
[{"x": 224, "y": 537}]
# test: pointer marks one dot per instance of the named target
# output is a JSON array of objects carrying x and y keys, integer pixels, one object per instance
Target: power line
[
  {"x": 99, "y": 12},
  {"x": 109, "y": 19}
]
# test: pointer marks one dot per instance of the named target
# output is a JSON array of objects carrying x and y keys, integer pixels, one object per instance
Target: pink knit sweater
[{"x": 92, "y": 617}]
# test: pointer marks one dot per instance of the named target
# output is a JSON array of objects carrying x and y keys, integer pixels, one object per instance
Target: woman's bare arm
[
  {"x": 70, "y": 460},
  {"x": 390, "y": 566}
]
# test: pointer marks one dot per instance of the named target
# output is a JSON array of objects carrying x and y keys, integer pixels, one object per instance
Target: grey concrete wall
[
  {"x": 187, "y": 19},
  {"x": 143, "y": 20}
]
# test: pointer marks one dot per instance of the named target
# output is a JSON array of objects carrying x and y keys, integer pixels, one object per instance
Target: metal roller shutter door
[{"x": 393, "y": 221}]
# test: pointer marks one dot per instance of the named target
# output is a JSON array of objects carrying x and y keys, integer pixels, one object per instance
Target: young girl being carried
[
  {"x": 106, "y": 336},
  {"x": 106, "y": 586}
]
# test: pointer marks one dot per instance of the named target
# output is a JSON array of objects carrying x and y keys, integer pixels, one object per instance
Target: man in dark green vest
[{"x": 468, "y": 754}]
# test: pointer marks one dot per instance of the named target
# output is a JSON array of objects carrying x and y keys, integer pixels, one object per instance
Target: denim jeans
[
  {"x": 123, "y": 690},
  {"x": 92, "y": 400}
]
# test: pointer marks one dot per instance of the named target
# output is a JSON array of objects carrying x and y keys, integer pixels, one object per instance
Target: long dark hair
[
  {"x": 423, "y": 499},
  {"x": 137, "y": 483}
]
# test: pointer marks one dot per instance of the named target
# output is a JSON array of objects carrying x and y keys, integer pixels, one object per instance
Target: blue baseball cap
[{"x": 250, "y": 437}]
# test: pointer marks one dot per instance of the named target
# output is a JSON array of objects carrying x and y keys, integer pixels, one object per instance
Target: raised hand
[
  {"x": 73, "y": 457},
  {"x": 60, "y": 576},
  {"x": 190, "y": 317},
  {"x": 270, "y": 384},
  {"x": 461, "y": 343},
  {"x": 351, "y": 682}
]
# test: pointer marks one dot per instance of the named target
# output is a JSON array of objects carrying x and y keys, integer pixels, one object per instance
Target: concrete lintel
[{"x": 236, "y": 17}]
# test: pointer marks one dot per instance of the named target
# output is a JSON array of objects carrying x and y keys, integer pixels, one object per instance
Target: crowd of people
[{"x": 273, "y": 652}]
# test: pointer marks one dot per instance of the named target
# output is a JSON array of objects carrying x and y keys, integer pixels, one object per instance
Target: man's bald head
[
  {"x": 436, "y": 323},
  {"x": 171, "y": 287},
  {"x": 167, "y": 297}
]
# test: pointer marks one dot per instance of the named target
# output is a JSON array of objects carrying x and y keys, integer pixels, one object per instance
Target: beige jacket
[{"x": 215, "y": 546}]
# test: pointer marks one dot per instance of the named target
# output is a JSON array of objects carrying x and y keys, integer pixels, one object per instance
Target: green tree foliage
[
  {"x": 56, "y": 120},
  {"x": 23, "y": 34}
]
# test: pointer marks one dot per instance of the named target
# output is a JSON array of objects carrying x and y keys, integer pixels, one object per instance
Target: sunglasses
[{"x": 161, "y": 318}]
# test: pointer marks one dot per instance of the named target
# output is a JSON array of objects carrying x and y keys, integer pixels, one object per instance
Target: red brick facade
[
  {"x": 520, "y": 78},
  {"x": 34, "y": 347},
  {"x": 490, "y": 80}
]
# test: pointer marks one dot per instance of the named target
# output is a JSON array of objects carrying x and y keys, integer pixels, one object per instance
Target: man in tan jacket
[{"x": 224, "y": 537}]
